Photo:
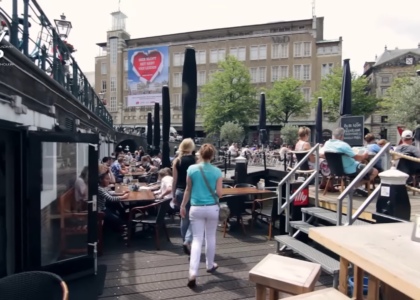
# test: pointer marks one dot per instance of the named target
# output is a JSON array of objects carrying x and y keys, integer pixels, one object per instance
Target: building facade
[
  {"x": 391, "y": 64},
  {"x": 271, "y": 52}
]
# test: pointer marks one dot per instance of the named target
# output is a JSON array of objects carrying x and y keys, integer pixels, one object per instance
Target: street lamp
[{"x": 63, "y": 27}]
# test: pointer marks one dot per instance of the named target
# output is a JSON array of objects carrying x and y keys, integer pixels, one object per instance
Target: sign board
[
  {"x": 302, "y": 198},
  {"x": 354, "y": 130}
]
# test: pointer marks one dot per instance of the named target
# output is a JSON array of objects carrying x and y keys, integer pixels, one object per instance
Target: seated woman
[
  {"x": 146, "y": 164},
  {"x": 373, "y": 148},
  {"x": 166, "y": 179},
  {"x": 104, "y": 198}
]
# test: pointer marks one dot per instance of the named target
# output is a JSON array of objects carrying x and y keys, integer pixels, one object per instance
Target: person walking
[
  {"x": 204, "y": 188},
  {"x": 181, "y": 163}
]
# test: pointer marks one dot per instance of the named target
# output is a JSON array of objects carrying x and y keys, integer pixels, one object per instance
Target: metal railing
[
  {"x": 287, "y": 180},
  {"x": 386, "y": 160},
  {"x": 59, "y": 64}
]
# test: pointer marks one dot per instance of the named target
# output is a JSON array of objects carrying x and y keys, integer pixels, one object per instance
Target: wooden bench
[
  {"x": 326, "y": 294},
  {"x": 283, "y": 274}
]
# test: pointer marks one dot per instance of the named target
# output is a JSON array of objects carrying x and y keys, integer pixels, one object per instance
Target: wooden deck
[
  {"x": 329, "y": 201},
  {"x": 143, "y": 273}
]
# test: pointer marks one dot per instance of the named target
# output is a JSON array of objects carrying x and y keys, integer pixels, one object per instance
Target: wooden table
[
  {"x": 143, "y": 195},
  {"x": 385, "y": 251},
  {"x": 139, "y": 173},
  {"x": 244, "y": 191}
]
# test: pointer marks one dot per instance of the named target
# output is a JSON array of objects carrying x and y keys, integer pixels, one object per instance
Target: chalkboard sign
[{"x": 353, "y": 130}]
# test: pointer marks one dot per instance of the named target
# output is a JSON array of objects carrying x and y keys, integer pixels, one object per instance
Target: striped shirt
[{"x": 103, "y": 197}]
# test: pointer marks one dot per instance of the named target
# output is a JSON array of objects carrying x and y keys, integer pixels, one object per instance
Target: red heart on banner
[{"x": 147, "y": 64}]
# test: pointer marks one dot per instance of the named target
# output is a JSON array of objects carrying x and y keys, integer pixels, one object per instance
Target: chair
[
  {"x": 144, "y": 219},
  {"x": 335, "y": 164},
  {"x": 304, "y": 169},
  {"x": 409, "y": 167},
  {"x": 74, "y": 221},
  {"x": 270, "y": 213},
  {"x": 36, "y": 285}
]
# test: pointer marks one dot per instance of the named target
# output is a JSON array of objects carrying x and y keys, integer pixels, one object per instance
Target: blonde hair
[
  {"x": 187, "y": 146},
  {"x": 382, "y": 142},
  {"x": 304, "y": 131}
]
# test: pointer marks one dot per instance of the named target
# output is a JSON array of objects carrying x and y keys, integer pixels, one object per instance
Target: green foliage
[
  {"x": 284, "y": 100},
  {"x": 289, "y": 134},
  {"x": 231, "y": 132},
  {"x": 330, "y": 91},
  {"x": 402, "y": 101},
  {"x": 228, "y": 96}
]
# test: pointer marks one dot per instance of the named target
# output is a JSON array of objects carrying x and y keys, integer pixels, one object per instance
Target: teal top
[
  {"x": 200, "y": 194},
  {"x": 349, "y": 163}
]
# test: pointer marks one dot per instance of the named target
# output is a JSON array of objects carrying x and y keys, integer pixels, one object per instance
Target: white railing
[
  {"x": 287, "y": 180},
  {"x": 386, "y": 160}
]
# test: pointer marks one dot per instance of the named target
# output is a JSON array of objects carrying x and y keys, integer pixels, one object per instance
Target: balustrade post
[
  {"x": 43, "y": 57},
  {"x": 25, "y": 35},
  {"x": 15, "y": 23},
  {"x": 75, "y": 81},
  {"x": 86, "y": 91}
]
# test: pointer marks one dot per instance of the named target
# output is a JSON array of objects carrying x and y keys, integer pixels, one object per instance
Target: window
[
  {"x": 302, "y": 49},
  {"x": 199, "y": 96},
  {"x": 200, "y": 57},
  {"x": 103, "y": 86},
  {"x": 177, "y": 100},
  {"x": 385, "y": 80},
  {"x": 279, "y": 72},
  {"x": 258, "y": 52},
  {"x": 126, "y": 83},
  {"x": 280, "y": 50},
  {"x": 126, "y": 64},
  {"x": 201, "y": 78},
  {"x": 335, "y": 50},
  {"x": 113, "y": 48},
  {"x": 383, "y": 90},
  {"x": 302, "y": 72},
  {"x": 177, "y": 80},
  {"x": 258, "y": 74},
  {"x": 327, "y": 69},
  {"x": 178, "y": 59},
  {"x": 113, "y": 104},
  {"x": 239, "y": 53},
  {"x": 321, "y": 51},
  {"x": 217, "y": 55},
  {"x": 306, "y": 93},
  {"x": 301, "y": 27},
  {"x": 284, "y": 72},
  {"x": 113, "y": 84},
  {"x": 103, "y": 68}
]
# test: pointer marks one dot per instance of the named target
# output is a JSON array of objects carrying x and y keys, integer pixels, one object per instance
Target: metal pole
[
  {"x": 339, "y": 211},
  {"x": 350, "y": 208},
  {"x": 386, "y": 162},
  {"x": 288, "y": 205},
  {"x": 15, "y": 21},
  {"x": 279, "y": 195},
  {"x": 25, "y": 35},
  {"x": 317, "y": 176}
]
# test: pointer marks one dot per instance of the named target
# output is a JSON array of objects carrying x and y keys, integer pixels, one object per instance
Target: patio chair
[
  {"x": 304, "y": 169},
  {"x": 411, "y": 168},
  {"x": 267, "y": 212},
  {"x": 335, "y": 164},
  {"x": 36, "y": 285},
  {"x": 144, "y": 219}
]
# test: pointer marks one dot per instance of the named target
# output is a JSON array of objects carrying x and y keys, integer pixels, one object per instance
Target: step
[
  {"x": 325, "y": 294},
  {"x": 302, "y": 226},
  {"x": 328, "y": 264},
  {"x": 329, "y": 216}
]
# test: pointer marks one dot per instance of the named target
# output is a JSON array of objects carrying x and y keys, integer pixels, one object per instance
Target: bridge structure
[{"x": 42, "y": 87}]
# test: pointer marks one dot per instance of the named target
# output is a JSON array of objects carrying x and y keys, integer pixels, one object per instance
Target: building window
[
  {"x": 302, "y": 49},
  {"x": 103, "y": 86},
  {"x": 103, "y": 68},
  {"x": 177, "y": 101},
  {"x": 302, "y": 72},
  {"x": 258, "y": 74},
  {"x": 201, "y": 78},
  {"x": 178, "y": 59},
  {"x": 177, "y": 80},
  {"x": 306, "y": 93},
  {"x": 301, "y": 27},
  {"x": 126, "y": 64},
  {"x": 279, "y": 72},
  {"x": 239, "y": 53},
  {"x": 113, "y": 84},
  {"x": 200, "y": 57},
  {"x": 327, "y": 69},
  {"x": 385, "y": 80},
  {"x": 199, "y": 96},
  {"x": 126, "y": 83},
  {"x": 328, "y": 50},
  {"x": 383, "y": 90},
  {"x": 284, "y": 72},
  {"x": 258, "y": 52},
  {"x": 113, "y": 48},
  {"x": 217, "y": 55},
  {"x": 280, "y": 50},
  {"x": 113, "y": 104}
]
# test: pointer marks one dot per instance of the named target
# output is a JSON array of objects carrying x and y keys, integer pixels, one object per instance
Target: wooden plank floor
[
  {"x": 329, "y": 201},
  {"x": 143, "y": 273}
]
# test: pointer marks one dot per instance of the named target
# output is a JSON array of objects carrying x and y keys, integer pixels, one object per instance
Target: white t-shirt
[
  {"x": 245, "y": 151},
  {"x": 232, "y": 150},
  {"x": 166, "y": 182}
]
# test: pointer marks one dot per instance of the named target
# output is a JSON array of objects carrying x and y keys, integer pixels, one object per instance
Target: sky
[{"x": 365, "y": 25}]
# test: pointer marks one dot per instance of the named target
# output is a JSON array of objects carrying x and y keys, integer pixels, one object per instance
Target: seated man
[
  {"x": 406, "y": 147},
  {"x": 118, "y": 169},
  {"x": 351, "y": 161}
]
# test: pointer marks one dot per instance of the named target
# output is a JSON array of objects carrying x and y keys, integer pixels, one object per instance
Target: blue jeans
[{"x": 186, "y": 232}]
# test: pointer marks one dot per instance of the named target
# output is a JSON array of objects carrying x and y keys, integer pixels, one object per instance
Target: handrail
[
  {"x": 348, "y": 191},
  {"x": 286, "y": 179},
  {"x": 364, "y": 205}
]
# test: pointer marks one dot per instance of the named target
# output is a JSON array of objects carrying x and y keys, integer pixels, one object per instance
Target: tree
[
  {"x": 231, "y": 132},
  {"x": 289, "y": 134},
  {"x": 363, "y": 104},
  {"x": 228, "y": 97},
  {"x": 284, "y": 100},
  {"x": 402, "y": 101}
]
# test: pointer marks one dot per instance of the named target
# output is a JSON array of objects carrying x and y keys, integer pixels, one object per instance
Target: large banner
[{"x": 148, "y": 71}]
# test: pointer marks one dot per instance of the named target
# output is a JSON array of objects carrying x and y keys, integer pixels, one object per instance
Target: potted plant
[{"x": 70, "y": 47}]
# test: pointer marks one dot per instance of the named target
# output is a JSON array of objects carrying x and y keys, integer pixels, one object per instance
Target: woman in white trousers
[{"x": 204, "y": 188}]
